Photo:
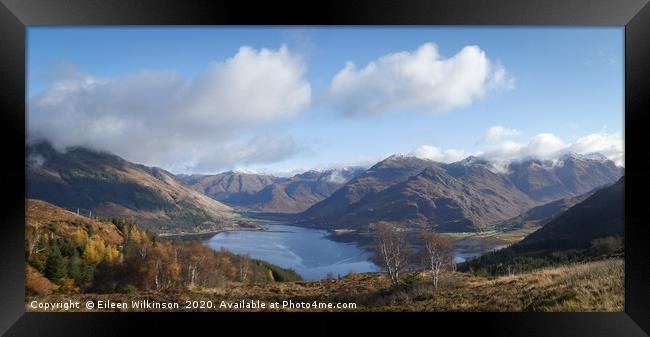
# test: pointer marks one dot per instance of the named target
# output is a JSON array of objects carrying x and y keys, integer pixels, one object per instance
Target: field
[{"x": 592, "y": 286}]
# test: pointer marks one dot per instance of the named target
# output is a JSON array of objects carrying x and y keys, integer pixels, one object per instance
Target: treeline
[
  {"x": 519, "y": 260},
  {"x": 76, "y": 259}
]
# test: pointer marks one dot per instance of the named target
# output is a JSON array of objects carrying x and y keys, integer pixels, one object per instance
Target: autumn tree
[
  {"x": 95, "y": 250},
  {"x": 392, "y": 248},
  {"x": 154, "y": 267},
  {"x": 38, "y": 251},
  {"x": 244, "y": 267},
  {"x": 437, "y": 252},
  {"x": 194, "y": 258}
]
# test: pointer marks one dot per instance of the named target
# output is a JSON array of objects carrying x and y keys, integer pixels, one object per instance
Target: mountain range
[
  {"x": 267, "y": 193},
  {"x": 469, "y": 195},
  {"x": 571, "y": 175}
]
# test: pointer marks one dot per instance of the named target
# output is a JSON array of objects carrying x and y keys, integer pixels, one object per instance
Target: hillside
[
  {"x": 69, "y": 253},
  {"x": 111, "y": 186},
  {"x": 598, "y": 216},
  {"x": 382, "y": 175},
  {"x": 266, "y": 193},
  {"x": 433, "y": 199},
  {"x": 592, "y": 227},
  {"x": 571, "y": 175},
  {"x": 593, "y": 286},
  {"x": 469, "y": 195},
  {"x": 540, "y": 215},
  {"x": 230, "y": 187}
]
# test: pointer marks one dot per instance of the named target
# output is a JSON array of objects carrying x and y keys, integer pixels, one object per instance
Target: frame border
[{"x": 16, "y": 15}]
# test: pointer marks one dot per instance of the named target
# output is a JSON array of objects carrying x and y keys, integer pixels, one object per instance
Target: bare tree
[
  {"x": 244, "y": 267},
  {"x": 392, "y": 248},
  {"x": 437, "y": 252}
]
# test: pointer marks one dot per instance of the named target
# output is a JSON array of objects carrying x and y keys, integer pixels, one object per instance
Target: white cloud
[
  {"x": 498, "y": 132},
  {"x": 439, "y": 155},
  {"x": 551, "y": 147},
  {"x": 261, "y": 149},
  {"x": 542, "y": 146},
  {"x": 421, "y": 80},
  {"x": 159, "y": 118},
  {"x": 608, "y": 144},
  {"x": 545, "y": 146}
]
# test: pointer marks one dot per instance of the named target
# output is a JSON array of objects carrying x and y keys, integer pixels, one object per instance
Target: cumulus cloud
[
  {"x": 608, "y": 144},
  {"x": 160, "y": 118},
  {"x": 498, "y": 132},
  {"x": 542, "y": 146},
  {"x": 545, "y": 146},
  {"x": 550, "y": 147},
  {"x": 260, "y": 149},
  {"x": 437, "y": 154},
  {"x": 422, "y": 80}
]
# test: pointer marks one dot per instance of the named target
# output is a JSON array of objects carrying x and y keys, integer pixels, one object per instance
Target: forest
[{"x": 74, "y": 254}]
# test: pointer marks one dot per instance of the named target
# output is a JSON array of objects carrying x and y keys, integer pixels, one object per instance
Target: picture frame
[{"x": 16, "y": 15}]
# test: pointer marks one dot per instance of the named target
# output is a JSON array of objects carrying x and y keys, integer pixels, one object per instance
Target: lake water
[
  {"x": 470, "y": 248},
  {"x": 307, "y": 251},
  {"x": 311, "y": 253}
]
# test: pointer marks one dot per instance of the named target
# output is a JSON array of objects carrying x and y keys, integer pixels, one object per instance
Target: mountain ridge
[
  {"x": 267, "y": 193},
  {"x": 415, "y": 192},
  {"x": 112, "y": 186}
]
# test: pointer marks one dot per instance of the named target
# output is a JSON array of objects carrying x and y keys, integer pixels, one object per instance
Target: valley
[{"x": 314, "y": 235}]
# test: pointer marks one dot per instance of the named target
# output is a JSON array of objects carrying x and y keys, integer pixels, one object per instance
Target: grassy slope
[{"x": 593, "y": 286}]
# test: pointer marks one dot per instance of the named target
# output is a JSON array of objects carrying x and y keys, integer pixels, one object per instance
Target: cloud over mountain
[
  {"x": 160, "y": 118},
  {"x": 541, "y": 146},
  {"x": 422, "y": 80},
  {"x": 440, "y": 155}
]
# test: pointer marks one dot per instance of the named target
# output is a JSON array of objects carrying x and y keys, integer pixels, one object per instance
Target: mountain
[
  {"x": 590, "y": 229},
  {"x": 468, "y": 199},
  {"x": 230, "y": 187},
  {"x": 469, "y": 195},
  {"x": 598, "y": 216},
  {"x": 109, "y": 186},
  {"x": 489, "y": 180},
  {"x": 571, "y": 175},
  {"x": 267, "y": 193},
  {"x": 540, "y": 215},
  {"x": 382, "y": 175}
]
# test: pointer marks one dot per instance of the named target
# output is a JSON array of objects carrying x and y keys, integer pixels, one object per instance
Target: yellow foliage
[
  {"x": 137, "y": 236},
  {"x": 112, "y": 254},
  {"x": 67, "y": 286},
  {"x": 95, "y": 250},
  {"x": 79, "y": 237}
]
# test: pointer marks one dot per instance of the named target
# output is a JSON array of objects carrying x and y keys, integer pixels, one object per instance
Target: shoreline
[
  {"x": 209, "y": 232},
  {"x": 254, "y": 222}
]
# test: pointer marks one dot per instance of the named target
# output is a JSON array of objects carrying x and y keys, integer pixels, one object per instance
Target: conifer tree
[{"x": 55, "y": 267}]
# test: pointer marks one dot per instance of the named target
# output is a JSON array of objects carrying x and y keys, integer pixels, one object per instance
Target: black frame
[{"x": 15, "y": 15}]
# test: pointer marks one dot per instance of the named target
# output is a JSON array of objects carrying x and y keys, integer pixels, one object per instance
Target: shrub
[
  {"x": 67, "y": 286},
  {"x": 130, "y": 289},
  {"x": 608, "y": 245}
]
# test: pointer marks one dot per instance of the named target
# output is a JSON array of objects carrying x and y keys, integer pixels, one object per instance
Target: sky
[{"x": 282, "y": 100}]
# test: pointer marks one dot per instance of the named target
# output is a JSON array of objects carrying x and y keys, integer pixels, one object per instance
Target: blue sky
[{"x": 544, "y": 91}]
